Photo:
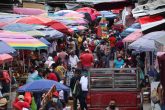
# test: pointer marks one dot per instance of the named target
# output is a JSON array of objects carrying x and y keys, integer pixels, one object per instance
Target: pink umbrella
[
  {"x": 81, "y": 27},
  {"x": 5, "y": 58},
  {"x": 8, "y": 34},
  {"x": 133, "y": 36},
  {"x": 28, "y": 11},
  {"x": 93, "y": 13},
  {"x": 2, "y": 24},
  {"x": 74, "y": 14}
]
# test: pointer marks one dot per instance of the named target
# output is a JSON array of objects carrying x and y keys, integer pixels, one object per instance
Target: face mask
[
  {"x": 112, "y": 107},
  {"x": 51, "y": 70},
  {"x": 119, "y": 59},
  {"x": 55, "y": 100}
]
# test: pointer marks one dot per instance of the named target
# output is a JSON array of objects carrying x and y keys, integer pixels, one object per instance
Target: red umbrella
[
  {"x": 149, "y": 19},
  {"x": 34, "y": 20},
  {"x": 60, "y": 27},
  {"x": 5, "y": 58},
  {"x": 93, "y": 13}
]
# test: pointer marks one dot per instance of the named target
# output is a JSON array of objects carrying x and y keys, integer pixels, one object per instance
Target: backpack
[{"x": 154, "y": 96}]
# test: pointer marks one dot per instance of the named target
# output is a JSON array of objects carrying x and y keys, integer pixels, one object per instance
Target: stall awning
[
  {"x": 25, "y": 44},
  {"x": 133, "y": 36}
]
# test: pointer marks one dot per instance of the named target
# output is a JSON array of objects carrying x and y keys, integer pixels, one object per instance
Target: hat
[
  {"x": 21, "y": 97},
  {"x": 56, "y": 94},
  {"x": 3, "y": 102}
]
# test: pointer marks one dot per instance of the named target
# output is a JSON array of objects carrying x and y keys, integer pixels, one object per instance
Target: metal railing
[{"x": 113, "y": 79}]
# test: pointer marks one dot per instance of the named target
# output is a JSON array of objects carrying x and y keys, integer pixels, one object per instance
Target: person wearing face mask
[
  {"x": 54, "y": 103},
  {"x": 112, "y": 106},
  {"x": 119, "y": 62}
]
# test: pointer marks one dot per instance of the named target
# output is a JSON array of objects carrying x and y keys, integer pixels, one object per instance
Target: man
[
  {"x": 112, "y": 105},
  {"x": 86, "y": 59},
  {"x": 54, "y": 103},
  {"x": 73, "y": 59},
  {"x": 84, "y": 87},
  {"x": 112, "y": 40},
  {"x": 75, "y": 88}
]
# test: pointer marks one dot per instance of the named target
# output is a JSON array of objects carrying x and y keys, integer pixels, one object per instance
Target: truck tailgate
[{"x": 102, "y": 98}]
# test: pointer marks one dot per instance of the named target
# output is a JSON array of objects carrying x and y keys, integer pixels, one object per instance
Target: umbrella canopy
[
  {"x": 34, "y": 20},
  {"x": 35, "y": 33},
  {"x": 25, "y": 44},
  {"x": 5, "y": 48},
  {"x": 78, "y": 28},
  {"x": 107, "y": 14},
  {"x": 28, "y": 11},
  {"x": 42, "y": 86},
  {"x": 18, "y": 27},
  {"x": 144, "y": 45},
  {"x": 93, "y": 13},
  {"x": 9, "y": 34},
  {"x": 161, "y": 40},
  {"x": 5, "y": 58},
  {"x": 74, "y": 14},
  {"x": 63, "y": 12},
  {"x": 50, "y": 33},
  {"x": 60, "y": 27},
  {"x": 9, "y": 18},
  {"x": 154, "y": 35},
  {"x": 44, "y": 41},
  {"x": 21, "y": 41},
  {"x": 133, "y": 36},
  {"x": 130, "y": 29},
  {"x": 71, "y": 21}
]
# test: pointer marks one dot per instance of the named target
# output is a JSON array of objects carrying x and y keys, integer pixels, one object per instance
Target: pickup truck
[{"x": 121, "y": 85}]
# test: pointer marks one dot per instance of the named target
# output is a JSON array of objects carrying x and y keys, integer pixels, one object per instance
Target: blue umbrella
[
  {"x": 107, "y": 14},
  {"x": 130, "y": 29},
  {"x": 50, "y": 33},
  {"x": 143, "y": 45},
  {"x": 5, "y": 48},
  {"x": 19, "y": 27},
  {"x": 42, "y": 85},
  {"x": 44, "y": 41}
]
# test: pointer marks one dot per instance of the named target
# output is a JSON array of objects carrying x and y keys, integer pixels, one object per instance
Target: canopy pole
[
  {"x": 23, "y": 61},
  {"x": 10, "y": 95}
]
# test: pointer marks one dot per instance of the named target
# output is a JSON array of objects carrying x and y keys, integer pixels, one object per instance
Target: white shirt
[
  {"x": 84, "y": 83},
  {"x": 73, "y": 60}
]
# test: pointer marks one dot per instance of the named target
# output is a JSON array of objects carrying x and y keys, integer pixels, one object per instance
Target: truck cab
[{"x": 107, "y": 84}]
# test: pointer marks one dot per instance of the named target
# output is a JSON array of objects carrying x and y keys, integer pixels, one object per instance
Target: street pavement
[{"x": 147, "y": 106}]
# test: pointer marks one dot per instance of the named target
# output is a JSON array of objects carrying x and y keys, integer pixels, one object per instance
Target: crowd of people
[{"x": 68, "y": 61}]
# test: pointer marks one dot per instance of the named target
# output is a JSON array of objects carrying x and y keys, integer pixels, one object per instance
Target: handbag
[{"x": 77, "y": 89}]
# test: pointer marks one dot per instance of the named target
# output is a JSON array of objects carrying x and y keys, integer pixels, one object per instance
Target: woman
[{"x": 119, "y": 62}]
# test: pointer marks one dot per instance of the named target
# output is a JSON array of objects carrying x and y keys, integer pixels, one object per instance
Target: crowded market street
[{"x": 82, "y": 55}]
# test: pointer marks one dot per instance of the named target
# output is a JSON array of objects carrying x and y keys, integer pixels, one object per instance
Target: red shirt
[
  {"x": 56, "y": 59},
  {"x": 20, "y": 105},
  {"x": 112, "y": 41},
  {"x": 86, "y": 59},
  {"x": 52, "y": 76}
]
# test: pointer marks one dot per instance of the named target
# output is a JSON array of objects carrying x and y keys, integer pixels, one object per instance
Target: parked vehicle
[{"x": 107, "y": 84}]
